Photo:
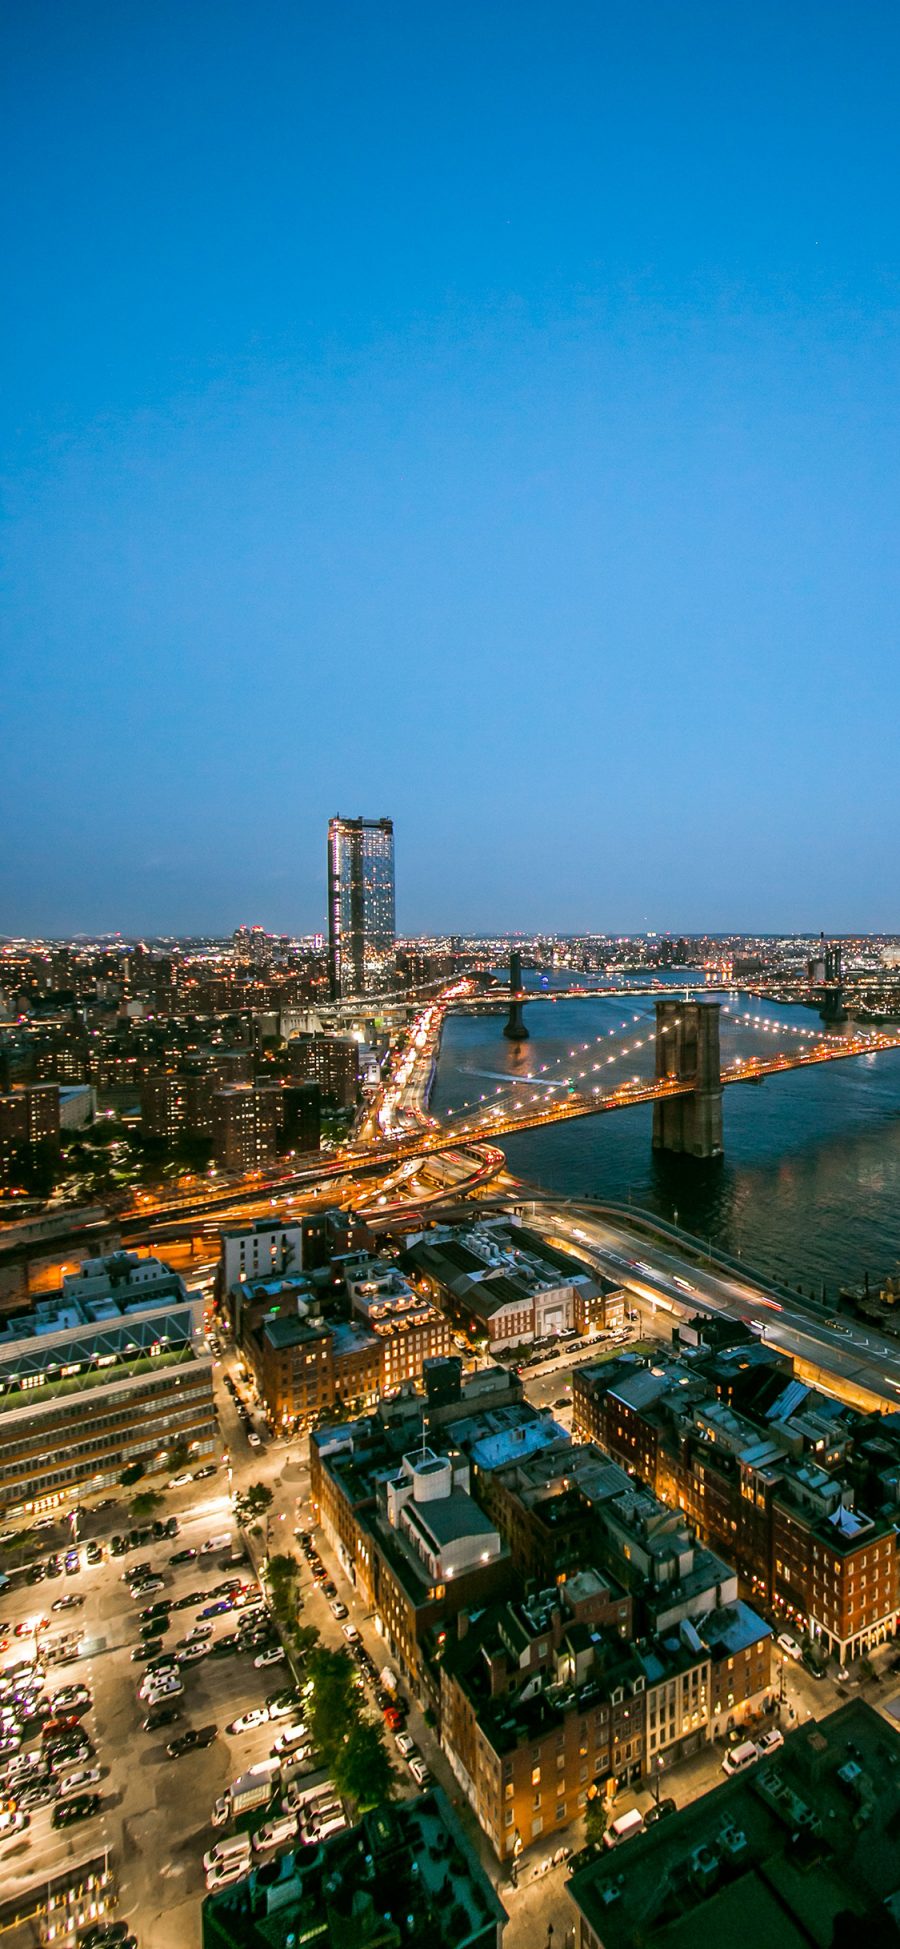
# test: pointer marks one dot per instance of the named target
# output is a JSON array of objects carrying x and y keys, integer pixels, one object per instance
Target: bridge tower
[
  {"x": 514, "y": 1026},
  {"x": 687, "y": 1046},
  {"x": 826, "y": 980},
  {"x": 833, "y": 1003}
]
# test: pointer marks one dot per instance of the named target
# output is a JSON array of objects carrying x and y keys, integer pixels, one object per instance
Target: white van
[
  {"x": 623, "y": 1828},
  {"x": 212, "y": 1543},
  {"x": 740, "y": 1756},
  {"x": 276, "y": 1833},
  {"x": 236, "y": 1848}
]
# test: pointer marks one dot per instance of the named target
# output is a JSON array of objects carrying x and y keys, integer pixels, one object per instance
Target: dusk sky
[{"x": 482, "y": 414}]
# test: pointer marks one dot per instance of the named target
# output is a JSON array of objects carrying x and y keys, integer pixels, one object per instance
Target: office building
[
  {"x": 361, "y": 920},
  {"x": 110, "y": 1371}
]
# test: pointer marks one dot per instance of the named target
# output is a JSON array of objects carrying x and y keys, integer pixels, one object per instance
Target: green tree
[
  {"x": 131, "y": 1474},
  {"x": 283, "y": 1577},
  {"x": 303, "y": 1639},
  {"x": 596, "y": 1818},
  {"x": 251, "y": 1503},
  {"x": 362, "y": 1769},
  {"x": 178, "y": 1456},
  {"x": 333, "y": 1706},
  {"x": 143, "y": 1505}
]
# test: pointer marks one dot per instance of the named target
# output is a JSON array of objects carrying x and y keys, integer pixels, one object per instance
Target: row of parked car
[
  {"x": 389, "y": 1699},
  {"x": 246, "y": 1419},
  {"x": 47, "y": 1756}
]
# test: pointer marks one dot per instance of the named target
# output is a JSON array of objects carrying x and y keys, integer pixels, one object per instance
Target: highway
[{"x": 853, "y": 1360}]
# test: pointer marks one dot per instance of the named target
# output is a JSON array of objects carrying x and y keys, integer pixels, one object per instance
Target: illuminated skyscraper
[{"x": 361, "y": 928}]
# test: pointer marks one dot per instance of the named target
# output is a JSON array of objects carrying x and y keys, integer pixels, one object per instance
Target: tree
[
  {"x": 363, "y": 1773},
  {"x": 596, "y": 1818},
  {"x": 251, "y": 1503},
  {"x": 178, "y": 1455},
  {"x": 333, "y": 1707},
  {"x": 303, "y": 1639},
  {"x": 282, "y": 1576},
  {"x": 144, "y": 1505},
  {"x": 132, "y": 1473}
]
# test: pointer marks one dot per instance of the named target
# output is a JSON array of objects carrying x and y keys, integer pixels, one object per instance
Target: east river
[{"x": 809, "y": 1187}]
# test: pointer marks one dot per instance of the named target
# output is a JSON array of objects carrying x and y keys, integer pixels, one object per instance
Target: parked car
[
  {"x": 79, "y": 1778},
  {"x": 192, "y": 1741},
  {"x": 273, "y": 1656},
  {"x": 740, "y": 1757},
  {"x": 770, "y": 1741},
  {"x": 659, "y": 1811},
  {"x": 275, "y": 1833},
  {"x": 789, "y": 1645},
  {"x": 256, "y": 1716},
  {"x": 161, "y": 1716},
  {"x": 79, "y": 1807}
]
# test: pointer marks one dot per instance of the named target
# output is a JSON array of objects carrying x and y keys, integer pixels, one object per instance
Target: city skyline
[
  {"x": 506, "y": 414},
  {"x": 449, "y": 1296}
]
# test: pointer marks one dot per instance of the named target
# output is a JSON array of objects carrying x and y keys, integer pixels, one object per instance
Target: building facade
[
  {"x": 111, "y": 1371},
  {"x": 361, "y": 912}
]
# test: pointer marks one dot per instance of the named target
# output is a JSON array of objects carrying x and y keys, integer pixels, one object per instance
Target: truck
[{"x": 251, "y": 1789}]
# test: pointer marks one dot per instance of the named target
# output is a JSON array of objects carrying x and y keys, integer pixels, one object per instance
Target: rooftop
[
  {"x": 779, "y": 1855},
  {"x": 403, "y": 1877}
]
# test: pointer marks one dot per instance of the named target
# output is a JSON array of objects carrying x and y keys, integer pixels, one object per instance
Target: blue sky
[{"x": 482, "y": 414}]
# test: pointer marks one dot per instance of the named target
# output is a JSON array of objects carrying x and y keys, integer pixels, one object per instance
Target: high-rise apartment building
[{"x": 361, "y": 926}]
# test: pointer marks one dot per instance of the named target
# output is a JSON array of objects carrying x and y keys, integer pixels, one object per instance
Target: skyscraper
[{"x": 360, "y": 905}]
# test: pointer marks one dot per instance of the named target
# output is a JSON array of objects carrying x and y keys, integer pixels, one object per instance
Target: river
[{"x": 809, "y": 1187}]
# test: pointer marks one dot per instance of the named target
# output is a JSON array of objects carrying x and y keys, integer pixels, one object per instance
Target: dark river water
[{"x": 809, "y": 1187}]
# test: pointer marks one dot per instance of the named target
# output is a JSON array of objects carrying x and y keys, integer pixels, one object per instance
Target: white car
[
  {"x": 166, "y": 1688},
  {"x": 80, "y": 1779},
  {"x": 338, "y": 1609},
  {"x": 275, "y": 1833},
  {"x": 350, "y": 1633},
  {"x": 189, "y": 1653},
  {"x": 419, "y": 1770},
  {"x": 404, "y": 1744},
  {"x": 253, "y": 1438},
  {"x": 770, "y": 1741},
  {"x": 789, "y": 1645},
  {"x": 227, "y": 1872},
  {"x": 178, "y": 1481},
  {"x": 274, "y": 1656},
  {"x": 12, "y": 1821},
  {"x": 257, "y": 1716},
  {"x": 198, "y": 1633}
]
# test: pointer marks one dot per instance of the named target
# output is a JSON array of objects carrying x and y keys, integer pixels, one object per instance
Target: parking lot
[{"x": 154, "y": 1811}]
